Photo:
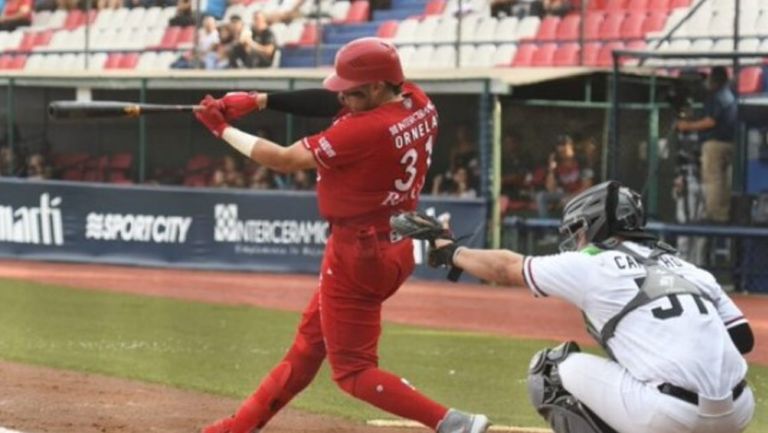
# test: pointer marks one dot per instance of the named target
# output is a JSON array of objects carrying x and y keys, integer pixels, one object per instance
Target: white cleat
[{"x": 459, "y": 422}]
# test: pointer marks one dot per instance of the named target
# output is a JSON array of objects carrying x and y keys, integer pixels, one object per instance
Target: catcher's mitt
[
  {"x": 418, "y": 225},
  {"x": 421, "y": 226}
]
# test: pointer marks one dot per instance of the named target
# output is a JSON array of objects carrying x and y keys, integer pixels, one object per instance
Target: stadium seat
[
  {"x": 425, "y": 33},
  {"x": 632, "y": 26},
  {"x": 434, "y": 7},
  {"x": 186, "y": 37},
  {"x": 751, "y": 80},
  {"x": 40, "y": 19},
  {"x": 147, "y": 61},
  {"x": 5, "y": 61},
  {"x": 761, "y": 25},
  {"x": 605, "y": 55},
  {"x": 615, "y": 5},
  {"x": 96, "y": 61},
  {"x": 279, "y": 30},
  {"x": 444, "y": 56},
  {"x": 446, "y": 31},
  {"x": 387, "y": 29},
  {"x": 544, "y": 55},
  {"x": 468, "y": 26},
  {"x": 524, "y": 54},
  {"x": 68, "y": 61},
  {"x": 654, "y": 22},
  {"x": 34, "y": 62},
  {"x": 611, "y": 26},
  {"x": 153, "y": 37},
  {"x": 723, "y": 46},
  {"x": 113, "y": 60},
  {"x": 121, "y": 162},
  {"x": 505, "y": 30},
  {"x": 18, "y": 62},
  {"x": 170, "y": 37},
  {"x": 216, "y": 8},
  {"x": 43, "y": 39},
  {"x": 591, "y": 51},
  {"x": 568, "y": 29},
  {"x": 483, "y": 56},
  {"x": 592, "y": 25},
  {"x": 596, "y": 5},
  {"x": 721, "y": 24},
  {"x": 485, "y": 30},
  {"x": 128, "y": 61},
  {"x": 547, "y": 29},
  {"x": 637, "y": 5},
  {"x": 359, "y": 11},
  {"x": 679, "y": 4},
  {"x": 406, "y": 31},
  {"x": 153, "y": 18},
  {"x": 699, "y": 23},
  {"x": 504, "y": 55},
  {"x": 658, "y": 5},
  {"x": 527, "y": 28},
  {"x": 309, "y": 35},
  {"x": 135, "y": 18},
  {"x": 406, "y": 54},
  {"x": 339, "y": 11},
  {"x": 27, "y": 42},
  {"x": 466, "y": 52},
  {"x": 566, "y": 55},
  {"x": 421, "y": 57}
]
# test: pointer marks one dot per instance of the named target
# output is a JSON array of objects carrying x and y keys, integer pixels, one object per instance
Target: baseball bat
[{"x": 111, "y": 109}]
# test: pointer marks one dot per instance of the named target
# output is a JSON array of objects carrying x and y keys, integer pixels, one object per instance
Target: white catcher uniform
[{"x": 681, "y": 341}]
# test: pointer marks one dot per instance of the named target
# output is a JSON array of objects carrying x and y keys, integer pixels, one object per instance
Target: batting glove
[
  {"x": 211, "y": 116},
  {"x": 235, "y": 105}
]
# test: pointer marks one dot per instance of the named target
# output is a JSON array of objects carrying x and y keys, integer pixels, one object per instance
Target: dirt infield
[{"x": 112, "y": 405}]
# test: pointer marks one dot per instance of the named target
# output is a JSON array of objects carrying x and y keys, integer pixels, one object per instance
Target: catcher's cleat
[{"x": 460, "y": 422}]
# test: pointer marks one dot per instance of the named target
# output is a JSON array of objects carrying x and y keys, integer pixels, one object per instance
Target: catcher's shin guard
[{"x": 563, "y": 412}]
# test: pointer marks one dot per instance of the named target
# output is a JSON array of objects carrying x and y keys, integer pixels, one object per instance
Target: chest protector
[{"x": 659, "y": 282}]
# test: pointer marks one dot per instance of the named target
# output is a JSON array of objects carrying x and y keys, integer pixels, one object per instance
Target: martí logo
[{"x": 37, "y": 225}]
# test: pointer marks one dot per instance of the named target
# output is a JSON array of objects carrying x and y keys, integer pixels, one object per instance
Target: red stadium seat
[
  {"x": 74, "y": 174},
  {"x": 196, "y": 180},
  {"x": 359, "y": 12},
  {"x": 679, "y": 4},
  {"x": 611, "y": 26},
  {"x": 309, "y": 35},
  {"x": 524, "y": 54},
  {"x": 658, "y": 5},
  {"x": 568, "y": 29},
  {"x": 616, "y": 5},
  {"x": 544, "y": 55},
  {"x": 5, "y": 61},
  {"x": 113, "y": 61},
  {"x": 605, "y": 56},
  {"x": 43, "y": 38},
  {"x": 547, "y": 29},
  {"x": 27, "y": 42},
  {"x": 638, "y": 45},
  {"x": 434, "y": 7},
  {"x": 632, "y": 27},
  {"x": 119, "y": 178},
  {"x": 591, "y": 50},
  {"x": 637, "y": 5},
  {"x": 186, "y": 36},
  {"x": 121, "y": 161},
  {"x": 199, "y": 163},
  {"x": 387, "y": 29},
  {"x": 75, "y": 18},
  {"x": 654, "y": 22},
  {"x": 596, "y": 5},
  {"x": 18, "y": 62},
  {"x": 128, "y": 61},
  {"x": 751, "y": 80},
  {"x": 170, "y": 37},
  {"x": 592, "y": 25},
  {"x": 566, "y": 55}
]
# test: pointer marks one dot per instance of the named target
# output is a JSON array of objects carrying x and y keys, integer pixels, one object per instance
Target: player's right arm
[
  {"x": 265, "y": 152},
  {"x": 731, "y": 315}
]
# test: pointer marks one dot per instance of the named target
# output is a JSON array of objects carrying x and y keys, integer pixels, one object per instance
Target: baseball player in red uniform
[{"x": 371, "y": 163}]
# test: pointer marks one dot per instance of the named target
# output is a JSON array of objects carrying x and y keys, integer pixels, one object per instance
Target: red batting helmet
[{"x": 362, "y": 61}]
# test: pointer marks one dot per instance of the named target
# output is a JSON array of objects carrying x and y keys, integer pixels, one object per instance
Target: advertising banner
[{"x": 273, "y": 231}]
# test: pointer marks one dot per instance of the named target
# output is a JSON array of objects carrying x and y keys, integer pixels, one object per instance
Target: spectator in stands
[
  {"x": 37, "y": 167},
  {"x": 262, "y": 178},
  {"x": 515, "y": 168},
  {"x": 184, "y": 14},
  {"x": 286, "y": 15},
  {"x": 550, "y": 7},
  {"x": 16, "y": 13},
  {"x": 717, "y": 131},
  {"x": 109, "y": 4},
  {"x": 458, "y": 183},
  {"x": 256, "y": 47},
  {"x": 464, "y": 152},
  {"x": 564, "y": 177},
  {"x": 502, "y": 8},
  {"x": 217, "y": 179},
  {"x": 588, "y": 162},
  {"x": 219, "y": 58},
  {"x": 302, "y": 180},
  {"x": 233, "y": 176},
  {"x": 8, "y": 162}
]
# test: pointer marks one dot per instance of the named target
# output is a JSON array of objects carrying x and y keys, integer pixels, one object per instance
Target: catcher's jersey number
[{"x": 675, "y": 308}]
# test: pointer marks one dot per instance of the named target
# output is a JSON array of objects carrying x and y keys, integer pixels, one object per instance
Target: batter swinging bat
[{"x": 106, "y": 109}]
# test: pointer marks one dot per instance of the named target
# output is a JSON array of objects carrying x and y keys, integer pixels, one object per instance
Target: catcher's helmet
[
  {"x": 362, "y": 61},
  {"x": 602, "y": 212}
]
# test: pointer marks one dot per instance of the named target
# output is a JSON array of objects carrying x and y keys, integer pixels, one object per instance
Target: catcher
[{"x": 674, "y": 338}]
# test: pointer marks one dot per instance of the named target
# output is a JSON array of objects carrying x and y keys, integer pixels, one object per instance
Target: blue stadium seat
[
  {"x": 304, "y": 57},
  {"x": 341, "y": 34}
]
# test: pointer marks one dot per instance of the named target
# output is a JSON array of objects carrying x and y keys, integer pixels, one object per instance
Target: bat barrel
[{"x": 109, "y": 109}]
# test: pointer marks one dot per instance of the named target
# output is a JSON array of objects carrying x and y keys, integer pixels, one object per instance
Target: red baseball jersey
[{"x": 375, "y": 162}]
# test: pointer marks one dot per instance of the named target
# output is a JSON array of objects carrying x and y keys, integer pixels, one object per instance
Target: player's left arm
[
  {"x": 499, "y": 266},
  {"x": 267, "y": 153}
]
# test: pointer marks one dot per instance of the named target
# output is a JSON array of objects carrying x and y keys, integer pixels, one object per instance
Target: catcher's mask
[{"x": 602, "y": 212}]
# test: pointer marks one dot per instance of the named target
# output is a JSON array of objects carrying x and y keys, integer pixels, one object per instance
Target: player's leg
[
  {"x": 351, "y": 319},
  {"x": 288, "y": 378}
]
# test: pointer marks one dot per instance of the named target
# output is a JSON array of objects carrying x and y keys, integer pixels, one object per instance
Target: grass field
[{"x": 225, "y": 350}]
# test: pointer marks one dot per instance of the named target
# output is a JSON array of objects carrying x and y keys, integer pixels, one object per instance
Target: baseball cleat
[{"x": 459, "y": 422}]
